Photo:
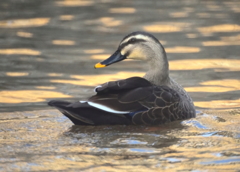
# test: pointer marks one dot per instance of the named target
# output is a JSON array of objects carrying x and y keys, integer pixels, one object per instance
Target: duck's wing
[
  {"x": 111, "y": 96},
  {"x": 164, "y": 105}
]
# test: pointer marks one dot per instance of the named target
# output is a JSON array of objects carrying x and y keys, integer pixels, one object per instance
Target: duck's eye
[{"x": 132, "y": 40}]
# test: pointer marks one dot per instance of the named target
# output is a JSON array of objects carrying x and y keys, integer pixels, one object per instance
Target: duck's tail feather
[
  {"x": 58, "y": 103},
  {"x": 81, "y": 113},
  {"x": 65, "y": 108}
]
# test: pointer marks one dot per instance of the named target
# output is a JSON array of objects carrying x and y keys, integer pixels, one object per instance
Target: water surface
[{"x": 48, "y": 50}]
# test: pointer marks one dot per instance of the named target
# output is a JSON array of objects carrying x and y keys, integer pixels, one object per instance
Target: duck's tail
[{"x": 81, "y": 113}]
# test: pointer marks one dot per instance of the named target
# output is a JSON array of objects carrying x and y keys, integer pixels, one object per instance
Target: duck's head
[{"x": 138, "y": 46}]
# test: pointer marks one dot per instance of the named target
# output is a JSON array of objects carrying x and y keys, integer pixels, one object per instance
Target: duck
[{"x": 153, "y": 99}]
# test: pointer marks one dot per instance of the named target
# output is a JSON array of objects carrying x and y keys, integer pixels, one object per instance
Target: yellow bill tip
[{"x": 99, "y": 65}]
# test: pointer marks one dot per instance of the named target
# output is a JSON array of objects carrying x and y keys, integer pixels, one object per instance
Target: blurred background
[{"x": 48, "y": 49}]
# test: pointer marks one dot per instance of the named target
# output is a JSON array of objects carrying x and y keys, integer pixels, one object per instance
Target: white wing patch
[
  {"x": 107, "y": 109},
  {"x": 82, "y": 101},
  {"x": 95, "y": 89}
]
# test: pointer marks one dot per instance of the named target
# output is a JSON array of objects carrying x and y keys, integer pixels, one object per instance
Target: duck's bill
[{"x": 116, "y": 57}]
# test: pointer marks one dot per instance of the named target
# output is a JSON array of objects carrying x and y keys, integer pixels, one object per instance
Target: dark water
[{"x": 48, "y": 50}]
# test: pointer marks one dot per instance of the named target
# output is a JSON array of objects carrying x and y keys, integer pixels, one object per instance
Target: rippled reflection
[
  {"x": 54, "y": 74},
  {"x": 166, "y": 27},
  {"x": 216, "y": 64},
  {"x": 100, "y": 56},
  {"x": 218, "y": 104},
  {"x": 221, "y": 28},
  {"x": 183, "y": 50},
  {"x": 13, "y": 74},
  {"x": 20, "y": 51},
  {"x": 122, "y": 10},
  {"x": 66, "y": 17},
  {"x": 63, "y": 42},
  {"x": 104, "y": 21},
  {"x": 20, "y": 96},
  {"x": 21, "y": 23},
  {"x": 216, "y": 86},
  {"x": 25, "y": 34},
  {"x": 48, "y": 50},
  {"x": 225, "y": 41},
  {"x": 117, "y": 148},
  {"x": 73, "y": 3},
  {"x": 110, "y": 22},
  {"x": 46, "y": 87}
]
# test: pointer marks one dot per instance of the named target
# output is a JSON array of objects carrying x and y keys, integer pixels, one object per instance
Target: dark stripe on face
[{"x": 131, "y": 41}]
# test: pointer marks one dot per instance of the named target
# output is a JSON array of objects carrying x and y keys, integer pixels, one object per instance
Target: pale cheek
[
  {"x": 126, "y": 49},
  {"x": 138, "y": 55},
  {"x": 123, "y": 52}
]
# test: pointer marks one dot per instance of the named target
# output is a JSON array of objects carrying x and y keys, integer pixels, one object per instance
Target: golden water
[{"x": 48, "y": 50}]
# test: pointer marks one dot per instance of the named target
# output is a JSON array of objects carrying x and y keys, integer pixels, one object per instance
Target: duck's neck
[{"x": 158, "y": 72}]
